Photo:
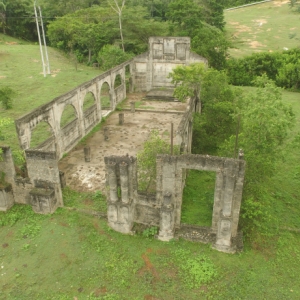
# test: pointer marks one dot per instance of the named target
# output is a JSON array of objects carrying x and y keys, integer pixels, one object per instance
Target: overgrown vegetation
[
  {"x": 6, "y": 97},
  {"x": 282, "y": 67},
  {"x": 146, "y": 159}
]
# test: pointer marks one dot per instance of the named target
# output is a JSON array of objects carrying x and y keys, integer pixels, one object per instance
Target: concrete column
[
  {"x": 217, "y": 200},
  {"x": 121, "y": 118},
  {"x": 132, "y": 106},
  {"x": 166, "y": 230},
  {"x": 105, "y": 132},
  {"x": 87, "y": 154},
  {"x": 124, "y": 181},
  {"x": 228, "y": 196},
  {"x": 112, "y": 179},
  {"x": 223, "y": 239}
]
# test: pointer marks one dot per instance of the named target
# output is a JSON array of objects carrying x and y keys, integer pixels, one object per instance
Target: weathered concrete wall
[
  {"x": 164, "y": 210},
  {"x": 43, "y": 171},
  {"x": 63, "y": 139},
  {"x": 41, "y": 189},
  {"x": 121, "y": 192},
  {"x": 151, "y": 70}
]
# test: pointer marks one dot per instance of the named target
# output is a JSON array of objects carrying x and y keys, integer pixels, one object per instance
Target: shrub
[
  {"x": 282, "y": 67},
  {"x": 110, "y": 56},
  {"x": 6, "y": 97}
]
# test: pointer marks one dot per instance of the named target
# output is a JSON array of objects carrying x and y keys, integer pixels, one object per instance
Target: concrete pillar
[
  {"x": 217, "y": 200},
  {"x": 112, "y": 179},
  {"x": 121, "y": 118},
  {"x": 124, "y": 182},
  {"x": 132, "y": 106},
  {"x": 105, "y": 132},
  {"x": 166, "y": 230},
  {"x": 87, "y": 154}
]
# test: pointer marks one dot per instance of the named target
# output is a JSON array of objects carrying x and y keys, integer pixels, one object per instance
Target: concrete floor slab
[{"x": 123, "y": 139}]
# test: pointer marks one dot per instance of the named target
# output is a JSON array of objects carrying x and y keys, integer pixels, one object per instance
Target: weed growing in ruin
[{"x": 150, "y": 232}]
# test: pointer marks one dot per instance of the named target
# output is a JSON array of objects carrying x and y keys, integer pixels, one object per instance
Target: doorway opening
[{"x": 198, "y": 198}]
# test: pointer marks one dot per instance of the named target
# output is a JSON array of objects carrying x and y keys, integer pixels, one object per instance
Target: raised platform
[{"x": 165, "y": 94}]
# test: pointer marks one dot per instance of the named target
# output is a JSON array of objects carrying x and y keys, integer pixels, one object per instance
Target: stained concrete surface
[{"x": 123, "y": 139}]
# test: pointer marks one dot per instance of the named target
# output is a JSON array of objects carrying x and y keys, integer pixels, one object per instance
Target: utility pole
[
  {"x": 45, "y": 45},
  {"x": 40, "y": 41}
]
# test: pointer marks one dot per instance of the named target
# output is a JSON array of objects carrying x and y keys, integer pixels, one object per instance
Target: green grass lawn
[
  {"x": 21, "y": 70},
  {"x": 264, "y": 27}
]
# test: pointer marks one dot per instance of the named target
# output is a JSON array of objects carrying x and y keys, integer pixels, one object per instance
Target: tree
[
  {"x": 110, "y": 56},
  {"x": 146, "y": 159},
  {"x": 187, "y": 80},
  {"x": 265, "y": 124},
  {"x": 85, "y": 31},
  {"x": 3, "y": 15},
  {"x": 189, "y": 19},
  {"x": 17, "y": 18},
  {"x": 118, "y": 8},
  {"x": 217, "y": 99}
]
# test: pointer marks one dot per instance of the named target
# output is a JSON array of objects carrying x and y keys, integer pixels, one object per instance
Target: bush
[
  {"x": 147, "y": 159},
  {"x": 282, "y": 67},
  {"x": 110, "y": 56},
  {"x": 6, "y": 97}
]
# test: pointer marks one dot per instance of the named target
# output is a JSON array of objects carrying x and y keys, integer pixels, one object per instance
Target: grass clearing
[
  {"x": 198, "y": 198},
  {"x": 269, "y": 27},
  {"x": 21, "y": 70}
]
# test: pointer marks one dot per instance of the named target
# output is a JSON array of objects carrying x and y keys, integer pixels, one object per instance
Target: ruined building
[{"x": 126, "y": 205}]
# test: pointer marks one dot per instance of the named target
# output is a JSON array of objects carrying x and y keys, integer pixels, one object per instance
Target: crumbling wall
[
  {"x": 41, "y": 189},
  {"x": 43, "y": 171},
  {"x": 151, "y": 70},
  {"x": 63, "y": 139},
  {"x": 164, "y": 210}
]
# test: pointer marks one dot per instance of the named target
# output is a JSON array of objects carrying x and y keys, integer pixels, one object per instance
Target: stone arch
[
  {"x": 69, "y": 115},
  {"x": 42, "y": 137},
  {"x": 118, "y": 81},
  {"x": 89, "y": 101},
  {"x": 105, "y": 96}
]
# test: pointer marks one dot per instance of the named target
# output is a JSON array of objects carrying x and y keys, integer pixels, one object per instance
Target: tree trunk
[{"x": 121, "y": 32}]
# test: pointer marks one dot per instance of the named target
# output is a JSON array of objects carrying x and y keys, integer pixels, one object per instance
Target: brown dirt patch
[
  {"x": 88, "y": 202},
  {"x": 148, "y": 265},
  {"x": 100, "y": 292},
  {"x": 279, "y": 3},
  {"x": 260, "y": 21},
  {"x": 11, "y": 43},
  {"x": 255, "y": 44},
  {"x": 1, "y": 77},
  {"x": 63, "y": 224},
  {"x": 63, "y": 256},
  {"x": 149, "y": 297},
  {"x": 5, "y": 245},
  {"x": 10, "y": 234}
]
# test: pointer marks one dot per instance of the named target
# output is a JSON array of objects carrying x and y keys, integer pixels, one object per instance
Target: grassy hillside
[
  {"x": 21, "y": 70},
  {"x": 265, "y": 27},
  {"x": 71, "y": 255}
]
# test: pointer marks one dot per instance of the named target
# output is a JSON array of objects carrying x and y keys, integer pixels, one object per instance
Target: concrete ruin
[
  {"x": 42, "y": 188},
  {"x": 126, "y": 205}
]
